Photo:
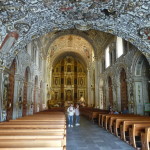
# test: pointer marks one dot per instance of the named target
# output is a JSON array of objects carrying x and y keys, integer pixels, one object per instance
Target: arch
[
  {"x": 123, "y": 89},
  {"x": 10, "y": 93},
  {"x": 140, "y": 71},
  {"x": 62, "y": 55},
  {"x": 74, "y": 45},
  {"x": 75, "y": 33},
  {"x": 25, "y": 93}
]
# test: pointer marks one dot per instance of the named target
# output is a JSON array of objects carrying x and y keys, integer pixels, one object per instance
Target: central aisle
[{"x": 89, "y": 136}]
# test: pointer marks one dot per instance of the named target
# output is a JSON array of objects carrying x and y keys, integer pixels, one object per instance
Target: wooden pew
[
  {"x": 113, "y": 119},
  {"x": 145, "y": 139},
  {"x": 37, "y": 148},
  {"x": 125, "y": 125},
  {"x": 31, "y": 126},
  {"x": 136, "y": 130},
  {"x": 118, "y": 122},
  {"x": 95, "y": 114},
  {"x": 34, "y": 123},
  {"x": 39, "y": 131},
  {"x": 14, "y": 143},
  {"x": 57, "y": 131},
  {"x": 30, "y": 136}
]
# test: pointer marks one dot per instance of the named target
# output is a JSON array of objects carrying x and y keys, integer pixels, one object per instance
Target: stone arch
[
  {"x": 76, "y": 33},
  {"x": 27, "y": 76},
  {"x": 141, "y": 75}
]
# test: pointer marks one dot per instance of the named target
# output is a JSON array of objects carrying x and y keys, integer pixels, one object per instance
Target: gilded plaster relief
[{"x": 68, "y": 82}]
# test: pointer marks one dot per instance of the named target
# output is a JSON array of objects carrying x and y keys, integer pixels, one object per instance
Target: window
[
  {"x": 119, "y": 46},
  {"x": 111, "y": 57},
  {"x": 107, "y": 57}
]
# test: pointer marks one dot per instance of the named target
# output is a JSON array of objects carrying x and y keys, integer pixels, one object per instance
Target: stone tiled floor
[{"x": 89, "y": 136}]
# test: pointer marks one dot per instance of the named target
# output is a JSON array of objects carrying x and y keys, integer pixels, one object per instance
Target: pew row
[
  {"x": 145, "y": 139},
  {"x": 136, "y": 130},
  {"x": 39, "y": 131}
]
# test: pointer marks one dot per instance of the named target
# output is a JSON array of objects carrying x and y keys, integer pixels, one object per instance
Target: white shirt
[
  {"x": 71, "y": 111},
  {"x": 77, "y": 113}
]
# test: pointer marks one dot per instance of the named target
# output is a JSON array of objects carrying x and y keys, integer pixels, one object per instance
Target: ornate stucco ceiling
[
  {"x": 70, "y": 43},
  {"x": 128, "y": 19},
  {"x": 95, "y": 40}
]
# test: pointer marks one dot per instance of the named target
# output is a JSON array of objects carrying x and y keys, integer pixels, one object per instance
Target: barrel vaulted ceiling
[
  {"x": 31, "y": 19},
  {"x": 71, "y": 44}
]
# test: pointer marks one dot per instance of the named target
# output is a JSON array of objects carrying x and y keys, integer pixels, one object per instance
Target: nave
[{"x": 89, "y": 136}]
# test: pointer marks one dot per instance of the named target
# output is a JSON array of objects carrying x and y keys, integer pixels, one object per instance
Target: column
[
  {"x": 118, "y": 95},
  {"x": 45, "y": 75},
  {"x": 89, "y": 87},
  {"x": 17, "y": 86},
  {"x": 50, "y": 81},
  {"x": 1, "y": 92},
  {"x": 96, "y": 83},
  {"x": 9, "y": 41},
  {"x": 29, "y": 99}
]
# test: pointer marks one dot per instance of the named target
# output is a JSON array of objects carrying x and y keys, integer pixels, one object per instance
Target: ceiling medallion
[{"x": 83, "y": 26}]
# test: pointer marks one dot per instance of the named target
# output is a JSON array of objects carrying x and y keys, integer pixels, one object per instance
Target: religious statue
[
  {"x": 68, "y": 95},
  {"x": 82, "y": 101}
]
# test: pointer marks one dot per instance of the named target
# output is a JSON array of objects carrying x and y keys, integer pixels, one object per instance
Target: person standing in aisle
[
  {"x": 77, "y": 114},
  {"x": 71, "y": 112}
]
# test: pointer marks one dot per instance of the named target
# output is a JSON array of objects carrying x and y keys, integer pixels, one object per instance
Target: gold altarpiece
[{"x": 69, "y": 82}]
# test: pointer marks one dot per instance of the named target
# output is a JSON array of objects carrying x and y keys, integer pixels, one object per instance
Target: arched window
[
  {"x": 107, "y": 57},
  {"x": 119, "y": 46}
]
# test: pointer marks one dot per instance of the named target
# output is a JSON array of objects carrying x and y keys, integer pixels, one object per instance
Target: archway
[
  {"x": 123, "y": 89},
  {"x": 110, "y": 91},
  {"x": 142, "y": 85},
  {"x": 11, "y": 90}
]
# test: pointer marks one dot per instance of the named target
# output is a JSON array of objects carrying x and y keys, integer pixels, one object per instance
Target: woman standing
[{"x": 77, "y": 114}]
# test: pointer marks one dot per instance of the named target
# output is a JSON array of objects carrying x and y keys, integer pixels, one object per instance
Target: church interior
[{"x": 95, "y": 53}]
